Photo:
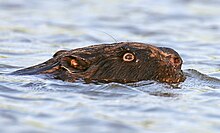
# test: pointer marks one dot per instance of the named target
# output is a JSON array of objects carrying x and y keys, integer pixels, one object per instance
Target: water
[{"x": 31, "y": 31}]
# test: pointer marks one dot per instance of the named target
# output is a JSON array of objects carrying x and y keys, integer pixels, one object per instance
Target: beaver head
[{"x": 119, "y": 62}]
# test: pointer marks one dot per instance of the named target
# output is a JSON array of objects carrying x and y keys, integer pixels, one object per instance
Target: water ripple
[{"x": 31, "y": 31}]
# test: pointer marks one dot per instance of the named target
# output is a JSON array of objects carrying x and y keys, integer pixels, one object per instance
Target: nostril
[{"x": 176, "y": 60}]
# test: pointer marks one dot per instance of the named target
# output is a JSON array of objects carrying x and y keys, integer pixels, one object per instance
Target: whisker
[{"x": 108, "y": 35}]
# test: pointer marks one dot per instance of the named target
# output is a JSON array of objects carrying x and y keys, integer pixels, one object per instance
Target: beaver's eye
[{"x": 128, "y": 57}]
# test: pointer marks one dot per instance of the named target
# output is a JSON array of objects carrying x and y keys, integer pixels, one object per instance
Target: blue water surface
[{"x": 31, "y": 31}]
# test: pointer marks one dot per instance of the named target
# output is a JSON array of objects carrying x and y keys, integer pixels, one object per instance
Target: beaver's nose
[{"x": 174, "y": 61}]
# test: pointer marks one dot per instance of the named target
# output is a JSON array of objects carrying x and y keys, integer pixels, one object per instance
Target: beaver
[{"x": 123, "y": 62}]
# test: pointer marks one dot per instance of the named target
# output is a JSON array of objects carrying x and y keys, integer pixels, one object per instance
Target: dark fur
[{"x": 104, "y": 63}]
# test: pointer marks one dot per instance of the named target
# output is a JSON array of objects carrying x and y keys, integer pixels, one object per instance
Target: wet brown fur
[{"x": 104, "y": 63}]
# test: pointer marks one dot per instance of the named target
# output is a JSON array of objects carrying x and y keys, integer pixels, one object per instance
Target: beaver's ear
[
  {"x": 74, "y": 63},
  {"x": 60, "y": 52}
]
